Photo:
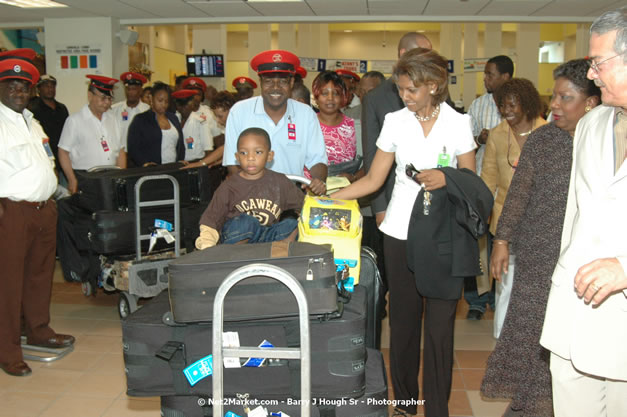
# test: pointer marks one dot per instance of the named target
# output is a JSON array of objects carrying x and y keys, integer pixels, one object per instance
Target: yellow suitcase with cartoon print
[{"x": 324, "y": 220}]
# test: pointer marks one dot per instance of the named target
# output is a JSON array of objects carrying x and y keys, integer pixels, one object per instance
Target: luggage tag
[
  {"x": 199, "y": 370},
  {"x": 231, "y": 339},
  {"x": 125, "y": 115},
  {"x": 105, "y": 146},
  {"x": 159, "y": 233},
  {"x": 258, "y": 362},
  {"x": 444, "y": 159},
  {"x": 231, "y": 414},
  {"x": 48, "y": 149},
  {"x": 162, "y": 224},
  {"x": 279, "y": 414},
  {"x": 190, "y": 142},
  {"x": 258, "y": 412}
]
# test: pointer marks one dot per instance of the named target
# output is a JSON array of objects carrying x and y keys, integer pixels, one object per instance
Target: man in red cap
[
  {"x": 91, "y": 137},
  {"x": 205, "y": 113},
  {"x": 28, "y": 218},
  {"x": 352, "y": 82},
  {"x": 124, "y": 111},
  {"x": 294, "y": 129},
  {"x": 245, "y": 88}
]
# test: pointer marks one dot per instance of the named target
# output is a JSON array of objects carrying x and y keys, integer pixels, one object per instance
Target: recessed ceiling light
[{"x": 32, "y": 4}]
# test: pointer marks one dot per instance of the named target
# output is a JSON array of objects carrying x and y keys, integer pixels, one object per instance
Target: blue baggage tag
[
  {"x": 162, "y": 224},
  {"x": 199, "y": 370},
  {"x": 258, "y": 362}
]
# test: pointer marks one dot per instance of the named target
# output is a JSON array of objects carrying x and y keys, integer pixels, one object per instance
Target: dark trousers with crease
[
  {"x": 27, "y": 257},
  {"x": 407, "y": 310}
]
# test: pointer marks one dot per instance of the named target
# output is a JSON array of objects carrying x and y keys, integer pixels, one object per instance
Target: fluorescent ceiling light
[{"x": 32, "y": 4}]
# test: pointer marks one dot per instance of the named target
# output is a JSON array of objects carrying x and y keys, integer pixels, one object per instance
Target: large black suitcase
[
  {"x": 115, "y": 189},
  {"x": 113, "y": 232},
  {"x": 195, "y": 278},
  {"x": 372, "y": 404},
  {"x": 370, "y": 279},
  {"x": 337, "y": 346}
]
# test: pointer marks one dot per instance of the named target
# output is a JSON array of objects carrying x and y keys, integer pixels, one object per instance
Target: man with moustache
[
  {"x": 293, "y": 126},
  {"x": 585, "y": 326},
  {"x": 28, "y": 218}
]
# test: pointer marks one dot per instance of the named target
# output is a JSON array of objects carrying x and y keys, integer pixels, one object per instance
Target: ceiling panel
[
  {"x": 454, "y": 7},
  {"x": 513, "y": 7},
  {"x": 228, "y": 9},
  {"x": 164, "y": 8},
  {"x": 338, "y": 7},
  {"x": 578, "y": 7},
  {"x": 282, "y": 9}
]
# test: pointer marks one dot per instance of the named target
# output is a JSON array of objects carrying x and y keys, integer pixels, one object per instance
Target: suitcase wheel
[
  {"x": 88, "y": 289},
  {"x": 127, "y": 304}
]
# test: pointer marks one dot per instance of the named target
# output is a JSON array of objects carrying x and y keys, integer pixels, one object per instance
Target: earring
[
  {"x": 432, "y": 91},
  {"x": 588, "y": 108}
]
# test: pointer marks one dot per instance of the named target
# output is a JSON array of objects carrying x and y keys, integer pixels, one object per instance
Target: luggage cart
[
  {"x": 148, "y": 277},
  {"x": 219, "y": 352}
]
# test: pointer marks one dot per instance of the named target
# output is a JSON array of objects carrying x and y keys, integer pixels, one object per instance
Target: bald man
[{"x": 376, "y": 104}]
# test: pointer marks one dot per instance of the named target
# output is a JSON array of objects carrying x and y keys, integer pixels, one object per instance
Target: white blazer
[{"x": 595, "y": 226}]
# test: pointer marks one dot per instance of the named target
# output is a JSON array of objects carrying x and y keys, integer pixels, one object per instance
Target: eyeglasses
[
  {"x": 103, "y": 97},
  {"x": 270, "y": 82},
  {"x": 411, "y": 171},
  {"x": 595, "y": 65}
]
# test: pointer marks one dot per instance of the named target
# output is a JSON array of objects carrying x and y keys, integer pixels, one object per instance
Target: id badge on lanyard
[
  {"x": 105, "y": 145},
  {"x": 47, "y": 148},
  {"x": 291, "y": 130},
  {"x": 444, "y": 159}
]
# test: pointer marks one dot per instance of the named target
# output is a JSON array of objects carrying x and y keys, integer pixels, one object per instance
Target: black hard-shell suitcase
[
  {"x": 195, "y": 278},
  {"x": 372, "y": 404},
  {"x": 113, "y": 232},
  {"x": 370, "y": 279},
  {"x": 337, "y": 358},
  {"x": 115, "y": 189}
]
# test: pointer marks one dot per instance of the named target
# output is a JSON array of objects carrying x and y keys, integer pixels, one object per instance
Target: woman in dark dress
[{"x": 531, "y": 221}]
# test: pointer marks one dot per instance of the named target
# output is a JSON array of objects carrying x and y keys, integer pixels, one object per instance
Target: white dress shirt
[
  {"x": 26, "y": 170},
  {"x": 91, "y": 142},
  {"x": 124, "y": 115},
  {"x": 196, "y": 137}
]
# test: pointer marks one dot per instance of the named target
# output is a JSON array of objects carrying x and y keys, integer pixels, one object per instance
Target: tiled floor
[{"x": 90, "y": 381}]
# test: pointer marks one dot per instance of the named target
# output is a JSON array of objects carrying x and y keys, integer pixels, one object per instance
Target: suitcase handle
[{"x": 303, "y": 352}]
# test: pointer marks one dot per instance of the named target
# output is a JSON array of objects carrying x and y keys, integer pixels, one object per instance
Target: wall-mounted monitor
[{"x": 205, "y": 65}]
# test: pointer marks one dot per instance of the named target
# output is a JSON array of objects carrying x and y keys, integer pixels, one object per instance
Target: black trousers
[{"x": 407, "y": 309}]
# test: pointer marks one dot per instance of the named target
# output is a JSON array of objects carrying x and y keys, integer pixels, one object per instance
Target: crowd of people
[{"x": 454, "y": 200}]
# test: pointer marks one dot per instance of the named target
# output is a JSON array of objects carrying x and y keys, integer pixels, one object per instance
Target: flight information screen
[{"x": 205, "y": 65}]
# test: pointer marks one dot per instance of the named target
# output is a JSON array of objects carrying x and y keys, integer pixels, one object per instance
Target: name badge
[
  {"x": 291, "y": 131},
  {"x": 105, "y": 146},
  {"x": 190, "y": 142},
  {"x": 46, "y": 143},
  {"x": 125, "y": 115},
  {"x": 444, "y": 159}
]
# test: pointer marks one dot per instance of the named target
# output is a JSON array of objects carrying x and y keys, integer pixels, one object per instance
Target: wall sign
[{"x": 77, "y": 57}]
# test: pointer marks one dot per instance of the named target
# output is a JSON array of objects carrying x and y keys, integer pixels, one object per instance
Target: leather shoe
[
  {"x": 474, "y": 315},
  {"x": 16, "y": 368},
  {"x": 57, "y": 341}
]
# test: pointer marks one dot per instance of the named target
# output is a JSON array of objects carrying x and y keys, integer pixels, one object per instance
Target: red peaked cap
[
  {"x": 13, "y": 68},
  {"x": 133, "y": 78},
  {"x": 275, "y": 61},
  {"x": 102, "y": 83},
  {"x": 348, "y": 74},
  {"x": 244, "y": 80},
  {"x": 184, "y": 93},
  {"x": 302, "y": 72},
  {"x": 194, "y": 82},
  {"x": 21, "y": 53}
]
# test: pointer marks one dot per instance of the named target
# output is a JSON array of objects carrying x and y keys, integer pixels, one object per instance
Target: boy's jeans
[{"x": 245, "y": 227}]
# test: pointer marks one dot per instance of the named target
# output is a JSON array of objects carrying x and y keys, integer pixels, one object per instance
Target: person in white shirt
[
  {"x": 125, "y": 111},
  {"x": 195, "y": 135},
  {"x": 195, "y": 83},
  {"x": 91, "y": 136},
  {"x": 28, "y": 218},
  {"x": 426, "y": 134}
]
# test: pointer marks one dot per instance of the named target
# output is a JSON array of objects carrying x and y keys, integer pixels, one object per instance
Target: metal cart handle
[{"x": 303, "y": 353}]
